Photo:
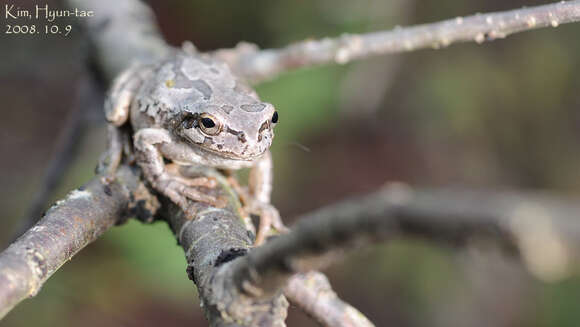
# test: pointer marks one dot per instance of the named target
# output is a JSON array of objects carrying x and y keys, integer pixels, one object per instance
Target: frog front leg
[
  {"x": 148, "y": 143},
  {"x": 117, "y": 106},
  {"x": 260, "y": 183}
]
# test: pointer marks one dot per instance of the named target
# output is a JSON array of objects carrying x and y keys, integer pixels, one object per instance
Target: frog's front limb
[
  {"x": 260, "y": 183},
  {"x": 177, "y": 188},
  {"x": 270, "y": 221},
  {"x": 111, "y": 159},
  {"x": 117, "y": 106},
  {"x": 122, "y": 92}
]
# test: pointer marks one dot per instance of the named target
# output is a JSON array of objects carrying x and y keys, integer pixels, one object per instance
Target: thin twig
[
  {"x": 259, "y": 65},
  {"x": 314, "y": 295},
  {"x": 378, "y": 76},
  {"x": 71, "y": 224},
  {"x": 517, "y": 222}
]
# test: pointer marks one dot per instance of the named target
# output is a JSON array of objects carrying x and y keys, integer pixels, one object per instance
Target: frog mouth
[{"x": 236, "y": 156}]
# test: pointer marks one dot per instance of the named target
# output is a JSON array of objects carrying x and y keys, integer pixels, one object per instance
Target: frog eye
[
  {"x": 275, "y": 117},
  {"x": 209, "y": 124}
]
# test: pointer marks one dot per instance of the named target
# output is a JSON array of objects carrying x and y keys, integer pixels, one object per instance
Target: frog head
[
  {"x": 234, "y": 131},
  {"x": 219, "y": 113}
]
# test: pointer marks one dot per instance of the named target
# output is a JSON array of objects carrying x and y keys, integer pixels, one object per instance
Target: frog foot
[
  {"x": 180, "y": 190},
  {"x": 110, "y": 160},
  {"x": 107, "y": 169},
  {"x": 270, "y": 222}
]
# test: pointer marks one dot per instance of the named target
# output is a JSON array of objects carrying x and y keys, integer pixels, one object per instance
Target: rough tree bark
[{"x": 67, "y": 227}]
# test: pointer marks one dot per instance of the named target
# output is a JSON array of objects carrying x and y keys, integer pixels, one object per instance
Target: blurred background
[{"x": 502, "y": 115}]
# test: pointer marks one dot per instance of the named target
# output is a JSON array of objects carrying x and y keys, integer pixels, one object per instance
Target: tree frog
[{"x": 190, "y": 109}]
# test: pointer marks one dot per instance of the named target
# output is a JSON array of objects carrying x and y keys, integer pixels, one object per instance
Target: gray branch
[
  {"x": 259, "y": 65},
  {"x": 211, "y": 237},
  {"x": 314, "y": 295},
  {"x": 121, "y": 33},
  {"x": 67, "y": 227},
  {"x": 214, "y": 238},
  {"x": 455, "y": 217}
]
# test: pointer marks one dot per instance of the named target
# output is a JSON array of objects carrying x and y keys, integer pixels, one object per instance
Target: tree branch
[
  {"x": 86, "y": 213},
  {"x": 214, "y": 238},
  {"x": 68, "y": 226},
  {"x": 314, "y": 295},
  {"x": 259, "y": 65},
  {"x": 211, "y": 238},
  {"x": 121, "y": 33},
  {"x": 456, "y": 217}
]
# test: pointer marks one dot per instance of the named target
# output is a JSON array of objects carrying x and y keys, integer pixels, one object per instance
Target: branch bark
[
  {"x": 67, "y": 227},
  {"x": 314, "y": 295},
  {"x": 260, "y": 65},
  {"x": 214, "y": 239},
  {"x": 211, "y": 237},
  {"x": 456, "y": 217},
  {"x": 121, "y": 32}
]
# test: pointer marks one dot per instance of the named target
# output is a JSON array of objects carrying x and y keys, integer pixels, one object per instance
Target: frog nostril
[{"x": 265, "y": 125}]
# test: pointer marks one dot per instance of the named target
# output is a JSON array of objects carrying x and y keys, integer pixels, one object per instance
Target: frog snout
[
  {"x": 259, "y": 142},
  {"x": 265, "y": 136}
]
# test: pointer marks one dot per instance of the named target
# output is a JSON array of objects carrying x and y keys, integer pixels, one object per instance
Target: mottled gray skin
[
  {"x": 166, "y": 103},
  {"x": 186, "y": 86}
]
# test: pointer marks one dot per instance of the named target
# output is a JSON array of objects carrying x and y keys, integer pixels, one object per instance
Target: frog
[{"x": 189, "y": 109}]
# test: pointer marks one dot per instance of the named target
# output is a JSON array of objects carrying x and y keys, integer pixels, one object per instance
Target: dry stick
[
  {"x": 314, "y": 295},
  {"x": 378, "y": 76},
  {"x": 71, "y": 224},
  {"x": 260, "y": 65},
  {"x": 121, "y": 32},
  {"x": 454, "y": 217},
  {"x": 212, "y": 237}
]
